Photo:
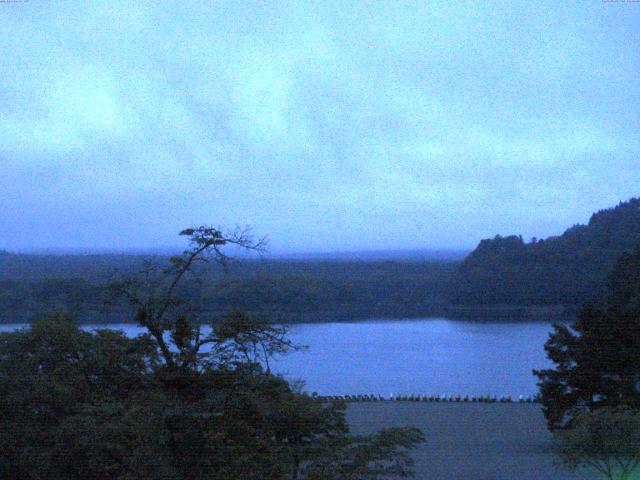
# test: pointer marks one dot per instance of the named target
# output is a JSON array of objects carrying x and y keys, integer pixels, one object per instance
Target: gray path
[{"x": 471, "y": 441}]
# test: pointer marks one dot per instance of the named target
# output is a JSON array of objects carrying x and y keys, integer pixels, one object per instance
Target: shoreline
[{"x": 465, "y": 313}]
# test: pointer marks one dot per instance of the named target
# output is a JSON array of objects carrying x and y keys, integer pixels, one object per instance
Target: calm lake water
[{"x": 427, "y": 356}]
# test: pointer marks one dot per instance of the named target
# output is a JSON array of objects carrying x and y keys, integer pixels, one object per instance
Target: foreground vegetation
[{"x": 80, "y": 405}]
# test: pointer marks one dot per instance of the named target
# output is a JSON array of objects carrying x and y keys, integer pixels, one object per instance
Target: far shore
[{"x": 477, "y": 313}]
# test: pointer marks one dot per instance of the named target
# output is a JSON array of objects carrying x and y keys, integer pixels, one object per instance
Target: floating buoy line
[{"x": 429, "y": 398}]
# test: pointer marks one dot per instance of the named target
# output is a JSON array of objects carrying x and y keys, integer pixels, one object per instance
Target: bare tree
[{"x": 154, "y": 293}]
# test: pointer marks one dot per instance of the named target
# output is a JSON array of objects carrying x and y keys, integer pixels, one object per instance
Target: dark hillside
[{"x": 570, "y": 269}]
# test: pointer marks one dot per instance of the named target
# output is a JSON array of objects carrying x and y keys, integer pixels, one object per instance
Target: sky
[{"x": 326, "y": 126}]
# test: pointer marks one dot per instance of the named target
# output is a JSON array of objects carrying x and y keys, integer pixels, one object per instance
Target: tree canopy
[
  {"x": 597, "y": 358},
  {"x": 174, "y": 403}
]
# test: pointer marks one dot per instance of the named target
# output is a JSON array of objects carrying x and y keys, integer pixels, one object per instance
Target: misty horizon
[{"x": 358, "y": 255}]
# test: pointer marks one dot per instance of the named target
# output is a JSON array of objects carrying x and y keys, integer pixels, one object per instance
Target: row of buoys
[{"x": 430, "y": 398}]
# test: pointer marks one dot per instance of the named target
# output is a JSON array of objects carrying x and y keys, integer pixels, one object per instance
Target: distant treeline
[
  {"x": 287, "y": 290},
  {"x": 570, "y": 269},
  {"x": 502, "y": 278}
]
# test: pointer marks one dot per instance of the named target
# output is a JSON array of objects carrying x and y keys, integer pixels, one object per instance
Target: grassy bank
[{"x": 475, "y": 441}]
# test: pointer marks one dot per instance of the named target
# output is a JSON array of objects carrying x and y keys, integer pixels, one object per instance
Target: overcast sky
[{"x": 324, "y": 125}]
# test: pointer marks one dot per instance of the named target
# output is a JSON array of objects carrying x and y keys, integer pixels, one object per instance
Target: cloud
[{"x": 447, "y": 122}]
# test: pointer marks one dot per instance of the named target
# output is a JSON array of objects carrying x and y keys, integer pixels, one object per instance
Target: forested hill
[
  {"x": 570, "y": 269},
  {"x": 31, "y": 286}
]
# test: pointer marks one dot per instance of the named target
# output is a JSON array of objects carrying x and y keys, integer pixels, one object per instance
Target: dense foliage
[
  {"x": 597, "y": 359},
  {"x": 174, "y": 403},
  {"x": 570, "y": 269},
  {"x": 80, "y": 405}
]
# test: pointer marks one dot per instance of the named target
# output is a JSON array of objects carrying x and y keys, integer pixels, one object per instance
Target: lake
[{"x": 432, "y": 356}]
